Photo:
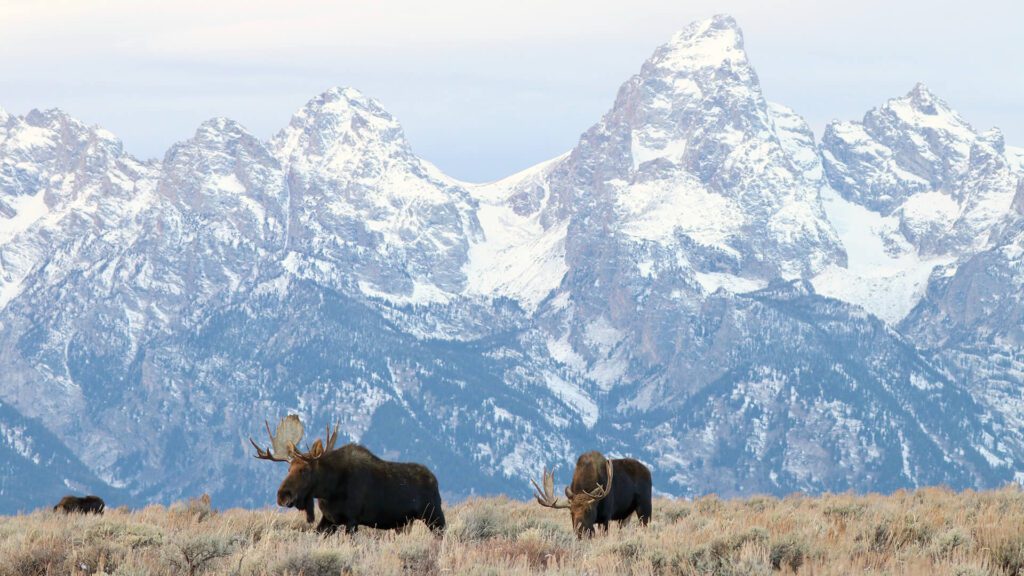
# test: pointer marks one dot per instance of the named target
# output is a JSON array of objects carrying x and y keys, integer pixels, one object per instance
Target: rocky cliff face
[{"x": 696, "y": 283}]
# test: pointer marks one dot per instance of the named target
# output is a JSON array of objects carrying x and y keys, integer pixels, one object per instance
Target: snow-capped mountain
[
  {"x": 697, "y": 283},
  {"x": 365, "y": 210},
  {"x": 916, "y": 188}
]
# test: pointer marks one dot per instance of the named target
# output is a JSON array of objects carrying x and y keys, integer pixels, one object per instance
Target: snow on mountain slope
[
  {"x": 59, "y": 177},
  {"x": 367, "y": 212},
  {"x": 688, "y": 159},
  {"x": 918, "y": 189},
  {"x": 516, "y": 255},
  {"x": 691, "y": 183},
  {"x": 883, "y": 272},
  {"x": 1015, "y": 156},
  {"x": 916, "y": 159},
  {"x": 690, "y": 147}
]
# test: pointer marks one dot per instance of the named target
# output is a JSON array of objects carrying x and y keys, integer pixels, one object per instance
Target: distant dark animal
[
  {"x": 353, "y": 486},
  {"x": 84, "y": 505},
  {"x": 594, "y": 498}
]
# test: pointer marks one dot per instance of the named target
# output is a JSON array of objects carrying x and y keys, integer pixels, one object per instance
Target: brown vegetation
[{"x": 931, "y": 532}]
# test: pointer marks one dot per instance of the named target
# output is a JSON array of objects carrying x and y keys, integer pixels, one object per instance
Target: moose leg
[
  {"x": 326, "y": 527},
  {"x": 643, "y": 511},
  {"x": 434, "y": 518},
  {"x": 308, "y": 507},
  {"x": 351, "y": 527}
]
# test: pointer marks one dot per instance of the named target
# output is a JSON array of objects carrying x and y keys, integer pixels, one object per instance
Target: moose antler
[
  {"x": 289, "y": 432},
  {"x": 319, "y": 447},
  {"x": 599, "y": 491},
  {"x": 546, "y": 497},
  {"x": 332, "y": 437}
]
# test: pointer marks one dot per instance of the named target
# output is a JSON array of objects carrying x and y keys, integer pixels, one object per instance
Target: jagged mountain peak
[
  {"x": 921, "y": 109},
  {"x": 217, "y": 126},
  {"x": 349, "y": 96},
  {"x": 365, "y": 210},
  {"x": 690, "y": 146},
  {"x": 923, "y": 99},
  {"x": 709, "y": 42},
  {"x": 220, "y": 142},
  {"x": 225, "y": 173},
  {"x": 930, "y": 188},
  {"x": 911, "y": 145},
  {"x": 339, "y": 127},
  {"x": 52, "y": 118},
  {"x": 704, "y": 61},
  {"x": 350, "y": 105},
  {"x": 52, "y": 128}
]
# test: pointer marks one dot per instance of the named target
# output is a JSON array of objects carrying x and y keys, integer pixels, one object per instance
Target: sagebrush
[{"x": 931, "y": 532}]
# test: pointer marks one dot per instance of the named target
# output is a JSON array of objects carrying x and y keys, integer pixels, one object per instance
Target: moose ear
[{"x": 317, "y": 450}]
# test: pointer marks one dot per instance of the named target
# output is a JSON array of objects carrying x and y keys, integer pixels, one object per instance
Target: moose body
[
  {"x": 353, "y": 487},
  {"x": 84, "y": 505},
  {"x": 356, "y": 488},
  {"x": 602, "y": 490}
]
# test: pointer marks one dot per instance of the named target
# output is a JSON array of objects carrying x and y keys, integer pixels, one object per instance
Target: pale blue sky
[{"x": 483, "y": 89}]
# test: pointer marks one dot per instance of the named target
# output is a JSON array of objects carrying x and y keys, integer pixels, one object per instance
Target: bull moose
[
  {"x": 353, "y": 486},
  {"x": 602, "y": 490},
  {"x": 84, "y": 505}
]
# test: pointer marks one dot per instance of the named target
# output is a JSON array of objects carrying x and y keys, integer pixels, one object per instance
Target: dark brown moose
[
  {"x": 353, "y": 486},
  {"x": 602, "y": 490},
  {"x": 84, "y": 505}
]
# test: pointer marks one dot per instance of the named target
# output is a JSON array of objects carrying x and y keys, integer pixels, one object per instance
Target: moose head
[
  {"x": 582, "y": 504},
  {"x": 296, "y": 491}
]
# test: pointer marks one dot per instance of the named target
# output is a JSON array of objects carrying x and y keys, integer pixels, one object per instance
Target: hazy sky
[{"x": 483, "y": 89}]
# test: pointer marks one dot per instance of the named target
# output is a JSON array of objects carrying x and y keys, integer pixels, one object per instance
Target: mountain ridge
[{"x": 698, "y": 283}]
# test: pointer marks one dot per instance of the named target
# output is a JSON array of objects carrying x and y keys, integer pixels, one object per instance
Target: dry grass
[{"x": 931, "y": 532}]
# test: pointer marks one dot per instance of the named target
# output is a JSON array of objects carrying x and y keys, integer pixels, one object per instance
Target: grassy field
[{"x": 930, "y": 532}]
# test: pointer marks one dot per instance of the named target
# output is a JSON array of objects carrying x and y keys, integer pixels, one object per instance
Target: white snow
[
  {"x": 797, "y": 140},
  {"x": 712, "y": 281},
  {"x": 993, "y": 460},
  {"x": 517, "y": 257},
  {"x": 17, "y": 440},
  {"x": 607, "y": 371},
  {"x": 602, "y": 334},
  {"x": 885, "y": 284},
  {"x": 278, "y": 286},
  {"x": 930, "y": 112},
  {"x": 28, "y": 210},
  {"x": 930, "y": 208},
  {"x": 1015, "y": 157},
  {"x": 921, "y": 383},
  {"x": 561, "y": 350},
  {"x": 704, "y": 44},
  {"x": 654, "y": 211},
  {"x": 644, "y": 148},
  {"x": 17, "y": 259},
  {"x": 27, "y": 137},
  {"x": 227, "y": 183},
  {"x": 574, "y": 396},
  {"x": 422, "y": 294}
]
